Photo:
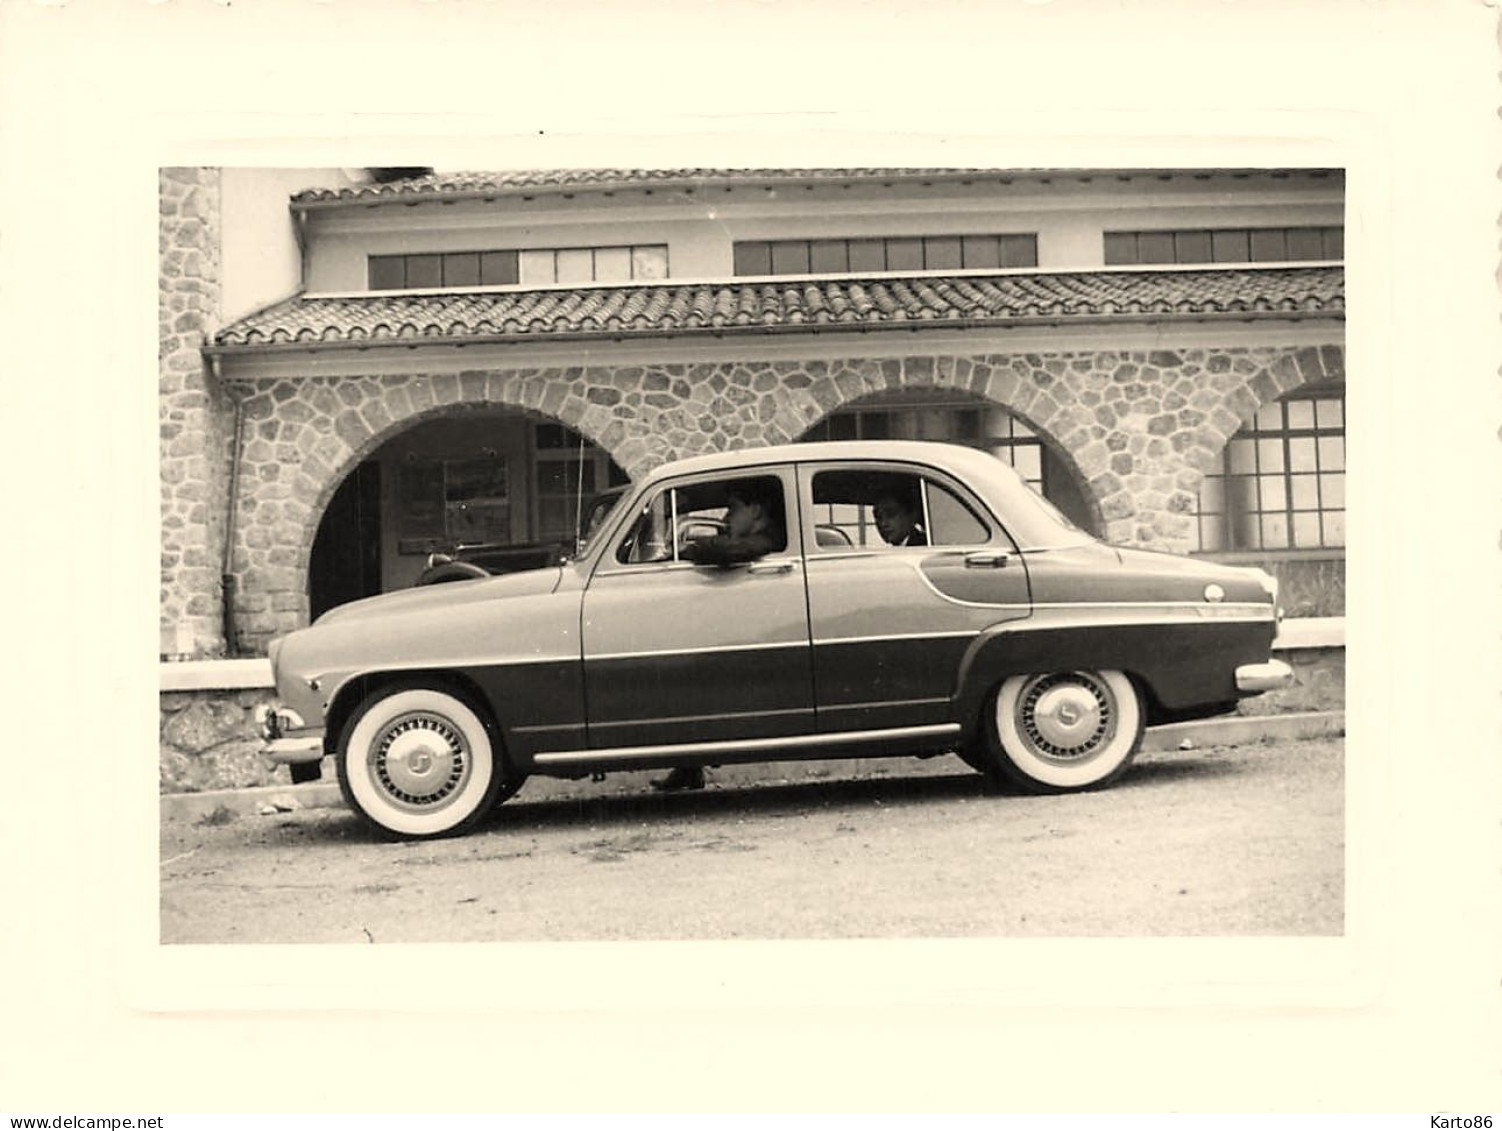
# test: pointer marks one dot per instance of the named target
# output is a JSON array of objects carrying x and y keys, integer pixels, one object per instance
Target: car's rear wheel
[
  {"x": 1063, "y": 731},
  {"x": 420, "y": 762}
]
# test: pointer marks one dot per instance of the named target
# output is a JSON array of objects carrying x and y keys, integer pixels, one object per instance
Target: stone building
[{"x": 358, "y": 370}]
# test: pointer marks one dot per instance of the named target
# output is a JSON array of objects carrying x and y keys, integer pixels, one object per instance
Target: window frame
[
  {"x": 609, "y": 562},
  {"x": 1250, "y": 433},
  {"x": 997, "y": 535}
]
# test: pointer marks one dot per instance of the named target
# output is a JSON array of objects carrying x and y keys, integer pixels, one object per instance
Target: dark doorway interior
[{"x": 346, "y": 558}]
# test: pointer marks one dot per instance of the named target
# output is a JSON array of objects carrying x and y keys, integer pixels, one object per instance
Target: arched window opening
[
  {"x": 1280, "y": 484},
  {"x": 952, "y": 417}
]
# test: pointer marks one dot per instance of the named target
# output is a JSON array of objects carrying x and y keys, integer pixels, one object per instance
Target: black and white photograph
[
  {"x": 788, "y": 547},
  {"x": 753, "y": 555}
]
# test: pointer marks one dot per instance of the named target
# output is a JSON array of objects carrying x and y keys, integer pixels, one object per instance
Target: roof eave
[{"x": 805, "y": 328}]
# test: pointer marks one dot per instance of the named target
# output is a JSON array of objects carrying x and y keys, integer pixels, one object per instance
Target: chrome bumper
[
  {"x": 1252, "y": 678},
  {"x": 287, "y": 737}
]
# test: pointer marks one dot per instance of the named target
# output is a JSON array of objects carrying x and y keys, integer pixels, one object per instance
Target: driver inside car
[{"x": 753, "y": 528}]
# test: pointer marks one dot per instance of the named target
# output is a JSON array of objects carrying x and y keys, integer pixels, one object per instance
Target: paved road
[{"x": 1228, "y": 841}]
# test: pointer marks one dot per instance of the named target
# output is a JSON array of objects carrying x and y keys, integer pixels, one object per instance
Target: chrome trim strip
[
  {"x": 886, "y": 638},
  {"x": 748, "y": 746},
  {"x": 718, "y": 716},
  {"x": 696, "y": 651}
]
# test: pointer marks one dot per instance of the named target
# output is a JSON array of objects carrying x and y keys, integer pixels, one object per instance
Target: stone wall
[
  {"x": 209, "y": 740},
  {"x": 1137, "y": 429},
  {"x": 194, "y": 414}
]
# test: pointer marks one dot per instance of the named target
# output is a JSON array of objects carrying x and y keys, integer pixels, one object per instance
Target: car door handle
[
  {"x": 771, "y": 567},
  {"x": 987, "y": 559}
]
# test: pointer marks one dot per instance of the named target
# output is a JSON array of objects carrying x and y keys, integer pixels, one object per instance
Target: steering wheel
[{"x": 452, "y": 571}]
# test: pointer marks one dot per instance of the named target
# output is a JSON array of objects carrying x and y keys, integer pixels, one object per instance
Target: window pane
[
  {"x": 1019, "y": 251},
  {"x": 1333, "y": 490},
  {"x": 952, "y": 523},
  {"x": 649, "y": 262},
  {"x": 612, "y": 265},
  {"x": 1243, "y": 456},
  {"x": 1274, "y": 532},
  {"x": 1335, "y": 528},
  {"x": 498, "y": 269},
  {"x": 1239, "y": 496},
  {"x": 1332, "y": 453},
  {"x": 1305, "y": 244},
  {"x": 941, "y": 254},
  {"x": 388, "y": 272},
  {"x": 1028, "y": 460},
  {"x": 829, "y": 257},
  {"x": 753, "y": 258},
  {"x": 1121, "y": 249},
  {"x": 1305, "y": 492},
  {"x": 1243, "y": 526},
  {"x": 1300, "y": 414},
  {"x": 1270, "y": 418},
  {"x": 1301, "y": 452},
  {"x": 1331, "y": 412},
  {"x": 1229, "y": 246},
  {"x": 868, "y": 255},
  {"x": 1212, "y": 533},
  {"x": 576, "y": 265},
  {"x": 1335, "y": 243},
  {"x": 1154, "y": 247},
  {"x": 1191, "y": 247},
  {"x": 875, "y": 426},
  {"x": 1270, "y": 455},
  {"x": 536, "y": 267},
  {"x": 982, "y": 253},
  {"x": 1269, "y": 245},
  {"x": 1273, "y": 496},
  {"x": 1306, "y": 530},
  {"x": 424, "y": 271},
  {"x": 790, "y": 257},
  {"x": 1213, "y": 496},
  {"x": 461, "y": 269},
  {"x": 904, "y": 255}
]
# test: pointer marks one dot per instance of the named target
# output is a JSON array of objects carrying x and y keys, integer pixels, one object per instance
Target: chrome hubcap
[
  {"x": 420, "y": 760},
  {"x": 1065, "y": 717}
]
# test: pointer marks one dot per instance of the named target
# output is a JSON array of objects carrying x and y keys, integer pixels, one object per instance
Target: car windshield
[{"x": 595, "y": 514}]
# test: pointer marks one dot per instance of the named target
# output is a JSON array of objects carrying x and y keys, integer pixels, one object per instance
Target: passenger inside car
[
  {"x": 897, "y": 520},
  {"x": 753, "y": 526}
]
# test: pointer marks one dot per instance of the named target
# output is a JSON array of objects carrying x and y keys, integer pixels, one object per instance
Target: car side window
[
  {"x": 679, "y": 520},
  {"x": 859, "y": 509}
]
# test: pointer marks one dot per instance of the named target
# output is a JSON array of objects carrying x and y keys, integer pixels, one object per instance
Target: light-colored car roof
[{"x": 1030, "y": 520}]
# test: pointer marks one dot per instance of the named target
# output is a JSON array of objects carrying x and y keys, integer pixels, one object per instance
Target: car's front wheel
[
  {"x": 419, "y": 762},
  {"x": 1064, "y": 731}
]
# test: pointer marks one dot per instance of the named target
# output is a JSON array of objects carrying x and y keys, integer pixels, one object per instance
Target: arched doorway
[
  {"x": 957, "y": 416},
  {"x": 512, "y": 481}
]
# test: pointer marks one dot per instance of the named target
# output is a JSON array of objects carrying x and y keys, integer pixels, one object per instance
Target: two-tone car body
[{"x": 1005, "y": 634}]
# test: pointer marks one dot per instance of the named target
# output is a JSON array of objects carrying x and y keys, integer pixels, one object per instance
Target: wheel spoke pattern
[
  {"x": 419, "y": 761},
  {"x": 1066, "y": 717}
]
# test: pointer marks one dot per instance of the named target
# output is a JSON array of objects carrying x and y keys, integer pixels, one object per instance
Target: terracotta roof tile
[
  {"x": 705, "y": 308},
  {"x": 479, "y": 183}
]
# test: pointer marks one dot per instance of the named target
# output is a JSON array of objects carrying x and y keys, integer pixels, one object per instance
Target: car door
[
  {"x": 676, "y": 652},
  {"x": 890, "y": 624}
]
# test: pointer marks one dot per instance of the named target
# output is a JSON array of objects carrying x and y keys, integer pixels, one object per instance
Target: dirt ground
[{"x": 1226, "y": 841}]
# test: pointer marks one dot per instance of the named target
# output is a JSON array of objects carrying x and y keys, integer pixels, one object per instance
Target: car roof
[{"x": 952, "y": 457}]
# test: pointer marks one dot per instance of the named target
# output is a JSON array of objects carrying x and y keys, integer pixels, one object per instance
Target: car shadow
[{"x": 772, "y": 800}]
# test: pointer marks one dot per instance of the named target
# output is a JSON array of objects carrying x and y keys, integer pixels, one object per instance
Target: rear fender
[{"x": 1183, "y": 668}]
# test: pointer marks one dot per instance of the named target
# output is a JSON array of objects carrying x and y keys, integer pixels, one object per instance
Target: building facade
[{"x": 357, "y": 372}]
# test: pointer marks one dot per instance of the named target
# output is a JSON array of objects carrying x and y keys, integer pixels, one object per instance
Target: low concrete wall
[{"x": 209, "y": 742}]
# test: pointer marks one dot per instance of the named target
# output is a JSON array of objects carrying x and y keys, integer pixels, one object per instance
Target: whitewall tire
[
  {"x": 418, "y": 762},
  {"x": 1064, "y": 731}
]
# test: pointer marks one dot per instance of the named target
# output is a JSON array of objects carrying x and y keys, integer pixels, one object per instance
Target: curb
[{"x": 1240, "y": 730}]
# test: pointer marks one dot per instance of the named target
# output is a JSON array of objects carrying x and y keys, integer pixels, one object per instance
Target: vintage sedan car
[{"x": 996, "y": 629}]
